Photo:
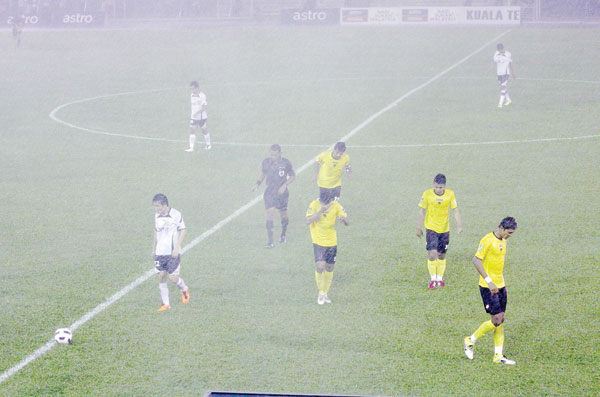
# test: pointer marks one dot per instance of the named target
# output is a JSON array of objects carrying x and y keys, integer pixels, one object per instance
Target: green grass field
[{"x": 77, "y": 219}]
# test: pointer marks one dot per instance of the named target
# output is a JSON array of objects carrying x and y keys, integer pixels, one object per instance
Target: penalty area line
[{"x": 114, "y": 298}]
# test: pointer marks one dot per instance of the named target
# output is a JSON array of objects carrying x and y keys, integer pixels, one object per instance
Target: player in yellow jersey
[
  {"x": 328, "y": 170},
  {"x": 434, "y": 212},
  {"x": 322, "y": 215},
  {"x": 489, "y": 262}
]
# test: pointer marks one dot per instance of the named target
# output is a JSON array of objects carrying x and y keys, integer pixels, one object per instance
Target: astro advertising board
[
  {"x": 75, "y": 20},
  {"x": 26, "y": 20},
  {"x": 79, "y": 20},
  {"x": 317, "y": 16}
]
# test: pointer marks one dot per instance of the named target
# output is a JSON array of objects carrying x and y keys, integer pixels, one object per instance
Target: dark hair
[
  {"x": 440, "y": 178},
  {"x": 500, "y": 46},
  {"x": 194, "y": 84},
  {"x": 276, "y": 148},
  {"x": 160, "y": 198},
  {"x": 508, "y": 223},
  {"x": 340, "y": 147},
  {"x": 325, "y": 197}
]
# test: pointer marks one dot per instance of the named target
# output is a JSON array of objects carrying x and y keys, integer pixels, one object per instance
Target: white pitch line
[
  {"x": 53, "y": 116},
  {"x": 417, "y": 145},
  {"x": 530, "y": 79},
  {"x": 103, "y": 306}
]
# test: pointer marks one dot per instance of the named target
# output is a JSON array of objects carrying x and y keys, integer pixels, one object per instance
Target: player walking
[
  {"x": 198, "y": 117},
  {"x": 328, "y": 170},
  {"x": 169, "y": 232},
  {"x": 436, "y": 202},
  {"x": 322, "y": 216},
  {"x": 504, "y": 68},
  {"x": 279, "y": 173},
  {"x": 489, "y": 262}
]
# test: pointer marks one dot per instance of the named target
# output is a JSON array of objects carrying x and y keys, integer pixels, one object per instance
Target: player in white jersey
[
  {"x": 169, "y": 232},
  {"x": 198, "y": 118},
  {"x": 504, "y": 68}
]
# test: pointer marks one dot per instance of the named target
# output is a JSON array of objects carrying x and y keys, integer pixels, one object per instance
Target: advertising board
[
  {"x": 79, "y": 20},
  {"x": 317, "y": 16},
  {"x": 75, "y": 20},
  {"x": 431, "y": 16}
]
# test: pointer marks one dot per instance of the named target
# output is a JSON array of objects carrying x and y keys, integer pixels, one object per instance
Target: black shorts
[
  {"x": 325, "y": 254},
  {"x": 273, "y": 199},
  {"x": 199, "y": 123},
  {"x": 503, "y": 78},
  {"x": 437, "y": 241},
  {"x": 493, "y": 304},
  {"x": 166, "y": 263},
  {"x": 331, "y": 193}
]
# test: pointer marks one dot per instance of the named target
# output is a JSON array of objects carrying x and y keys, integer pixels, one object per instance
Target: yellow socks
[
  {"x": 431, "y": 266},
  {"x": 483, "y": 329},
  {"x": 328, "y": 279},
  {"x": 436, "y": 269},
  {"x": 320, "y": 278},
  {"x": 498, "y": 339},
  {"x": 441, "y": 268},
  {"x": 323, "y": 280}
]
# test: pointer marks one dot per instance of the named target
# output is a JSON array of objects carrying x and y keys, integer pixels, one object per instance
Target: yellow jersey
[
  {"x": 438, "y": 209},
  {"x": 491, "y": 251},
  {"x": 330, "y": 172},
  {"x": 323, "y": 231}
]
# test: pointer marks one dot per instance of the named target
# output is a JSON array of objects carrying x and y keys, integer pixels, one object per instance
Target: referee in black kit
[{"x": 279, "y": 173}]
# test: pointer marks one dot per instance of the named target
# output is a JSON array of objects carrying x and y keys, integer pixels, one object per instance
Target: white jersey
[
  {"x": 198, "y": 101},
  {"x": 167, "y": 231},
  {"x": 502, "y": 63}
]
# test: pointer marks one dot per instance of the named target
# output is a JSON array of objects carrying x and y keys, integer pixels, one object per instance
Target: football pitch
[{"x": 94, "y": 123}]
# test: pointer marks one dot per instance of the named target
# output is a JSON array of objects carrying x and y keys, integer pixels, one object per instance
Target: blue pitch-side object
[{"x": 253, "y": 394}]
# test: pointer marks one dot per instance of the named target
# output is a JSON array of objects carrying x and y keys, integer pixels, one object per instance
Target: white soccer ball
[{"x": 63, "y": 335}]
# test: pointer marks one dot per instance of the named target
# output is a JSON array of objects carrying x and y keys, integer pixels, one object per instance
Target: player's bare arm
[
  {"x": 316, "y": 173},
  {"x": 458, "y": 219},
  {"x": 349, "y": 171},
  {"x": 420, "y": 221},
  {"x": 154, "y": 246},
  {"x": 177, "y": 247},
  {"x": 202, "y": 109},
  {"x": 479, "y": 266}
]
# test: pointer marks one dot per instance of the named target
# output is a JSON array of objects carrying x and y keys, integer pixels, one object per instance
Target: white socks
[
  {"x": 164, "y": 293},
  {"x": 192, "y": 140},
  {"x": 164, "y": 290},
  {"x": 181, "y": 285}
]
